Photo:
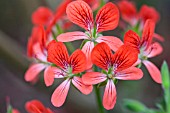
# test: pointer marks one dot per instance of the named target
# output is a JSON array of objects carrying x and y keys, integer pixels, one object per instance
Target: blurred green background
[{"x": 15, "y": 28}]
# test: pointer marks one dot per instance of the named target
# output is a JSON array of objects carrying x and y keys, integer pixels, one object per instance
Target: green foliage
[{"x": 9, "y": 109}]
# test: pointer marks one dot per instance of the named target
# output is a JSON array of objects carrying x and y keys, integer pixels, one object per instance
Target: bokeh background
[{"x": 15, "y": 28}]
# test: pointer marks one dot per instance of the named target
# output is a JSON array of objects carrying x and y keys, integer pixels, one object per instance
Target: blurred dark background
[{"x": 15, "y": 28}]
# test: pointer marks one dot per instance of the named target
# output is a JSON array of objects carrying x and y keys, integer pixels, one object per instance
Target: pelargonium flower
[
  {"x": 68, "y": 68},
  {"x": 35, "y": 106},
  {"x": 146, "y": 48},
  {"x": 81, "y": 14},
  {"x": 38, "y": 51},
  {"x": 115, "y": 66},
  {"x": 15, "y": 111}
]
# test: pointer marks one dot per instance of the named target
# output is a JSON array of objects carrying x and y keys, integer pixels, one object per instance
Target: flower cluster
[{"x": 101, "y": 60}]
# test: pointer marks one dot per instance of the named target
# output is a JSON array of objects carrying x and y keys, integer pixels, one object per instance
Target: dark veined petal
[
  {"x": 57, "y": 54},
  {"x": 80, "y": 13},
  {"x": 78, "y": 61},
  {"x": 107, "y": 17},
  {"x": 102, "y": 56},
  {"x": 124, "y": 57}
]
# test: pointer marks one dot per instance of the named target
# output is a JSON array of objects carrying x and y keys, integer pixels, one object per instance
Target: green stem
[
  {"x": 70, "y": 46},
  {"x": 99, "y": 100}
]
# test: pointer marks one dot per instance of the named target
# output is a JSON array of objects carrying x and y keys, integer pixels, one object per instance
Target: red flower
[
  {"x": 146, "y": 48},
  {"x": 116, "y": 66},
  {"x": 67, "y": 67},
  {"x": 15, "y": 111},
  {"x": 81, "y": 14},
  {"x": 35, "y": 106}
]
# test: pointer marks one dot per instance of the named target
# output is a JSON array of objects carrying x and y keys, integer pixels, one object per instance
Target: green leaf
[
  {"x": 134, "y": 106},
  {"x": 165, "y": 75},
  {"x": 9, "y": 109}
]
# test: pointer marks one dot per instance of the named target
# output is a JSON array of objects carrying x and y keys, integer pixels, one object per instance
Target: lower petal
[
  {"x": 113, "y": 42},
  {"x": 87, "y": 48},
  {"x": 59, "y": 95},
  {"x": 109, "y": 98},
  {"x": 131, "y": 73},
  {"x": 93, "y": 78},
  {"x": 78, "y": 83},
  {"x": 33, "y": 71},
  {"x": 153, "y": 70},
  {"x": 154, "y": 50}
]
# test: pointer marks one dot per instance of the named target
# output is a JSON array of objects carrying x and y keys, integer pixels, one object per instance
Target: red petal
[
  {"x": 125, "y": 57},
  {"x": 154, "y": 50},
  {"x": 107, "y": 17},
  {"x": 87, "y": 48},
  {"x": 93, "y": 78},
  {"x": 131, "y": 38},
  {"x": 59, "y": 95},
  {"x": 113, "y": 42},
  {"x": 153, "y": 70},
  {"x": 38, "y": 52},
  {"x": 71, "y": 36},
  {"x": 128, "y": 11},
  {"x": 131, "y": 73},
  {"x": 78, "y": 83},
  {"x": 81, "y": 14},
  {"x": 102, "y": 56},
  {"x": 147, "y": 34},
  {"x": 78, "y": 61},
  {"x": 43, "y": 38},
  {"x": 57, "y": 54},
  {"x": 42, "y": 16},
  {"x": 109, "y": 98},
  {"x": 147, "y": 12},
  {"x": 33, "y": 71}
]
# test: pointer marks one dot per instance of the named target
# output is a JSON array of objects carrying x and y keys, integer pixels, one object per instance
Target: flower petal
[
  {"x": 153, "y": 70},
  {"x": 33, "y": 71},
  {"x": 81, "y": 14},
  {"x": 102, "y": 56},
  {"x": 90, "y": 78},
  {"x": 107, "y": 17},
  {"x": 42, "y": 16},
  {"x": 71, "y": 36},
  {"x": 154, "y": 50},
  {"x": 52, "y": 72},
  {"x": 113, "y": 42},
  {"x": 60, "y": 93},
  {"x": 125, "y": 57},
  {"x": 78, "y": 61},
  {"x": 78, "y": 83},
  {"x": 57, "y": 54},
  {"x": 87, "y": 48},
  {"x": 39, "y": 53},
  {"x": 131, "y": 73},
  {"x": 158, "y": 37},
  {"x": 147, "y": 34},
  {"x": 109, "y": 98},
  {"x": 131, "y": 38}
]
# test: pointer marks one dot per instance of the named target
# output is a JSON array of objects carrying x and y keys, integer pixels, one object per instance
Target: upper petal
[
  {"x": 80, "y": 13},
  {"x": 107, "y": 17},
  {"x": 33, "y": 71},
  {"x": 93, "y": 78},
  {"x": 78, "y": 61},
  {"x": 57, "y": 54},
  {"x": 113, "y": 42},
  {"x": 153, "y": 70},
  {"x": 87, "y": 48},
  {"x": 147, "y": 34},
  {"x": 131, "y": 73},
  {"x": 102, "y": 56},
  {"x": 71, "y": 36},
  {"x": 78, "y": 83},
  {"x": 154, "y": 50},
  {"x": 60, "y": 93},
  {"x": 109, "y": 98},
  {"x": 131, "y": 38},
  {"x": 125, "y": 57}
]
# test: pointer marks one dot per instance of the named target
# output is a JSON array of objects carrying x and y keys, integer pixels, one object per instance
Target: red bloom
[
  {"x": 15, "y": 111},
  {"x": 146, "y": 47},
  {"x": 81, "y": 14},
  {"x": 67, "y": 68},
  {"x": 35, "y": 106},
  {"x": 117, "y": 66}
]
